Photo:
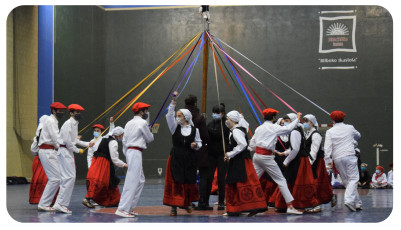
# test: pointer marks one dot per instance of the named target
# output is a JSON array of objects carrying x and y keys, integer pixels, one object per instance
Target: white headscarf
[
  {"x": 292, "y": 116},
  {"x": 117, "y": 131},
  {"x": 238, "y": 118},
  {"x": 187, "y": 115},
  {"x": 312, "y": 119}
]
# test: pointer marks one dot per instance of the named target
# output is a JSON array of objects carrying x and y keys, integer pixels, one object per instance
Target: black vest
[
  {"x": 291, "y": 172},
  {"x": 104, "y": 151},
  {"x": 320, "y": 153},
  {"x": 236, "y": 171},
  {"x": 183, "y": 158}
]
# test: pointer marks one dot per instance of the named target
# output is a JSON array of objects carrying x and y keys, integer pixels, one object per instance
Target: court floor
[{"x": 377, "y": 206}]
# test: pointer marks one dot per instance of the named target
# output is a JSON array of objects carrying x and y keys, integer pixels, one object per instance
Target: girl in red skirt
[
  {"x": 180, "y": 188},
  {"x": 101, "y": 181},
  {"x": 243, "y": 190}
]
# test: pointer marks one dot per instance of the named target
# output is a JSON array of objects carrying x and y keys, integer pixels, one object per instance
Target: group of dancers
[{"x": 287, "y": 170}]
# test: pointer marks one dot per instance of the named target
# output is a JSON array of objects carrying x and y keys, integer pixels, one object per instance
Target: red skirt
[
  {"x": 324, "y": 190},
  {"x": 215, "y": 186},
  {"x": 303, "y": 190},
  {"x": 38, "y": 182},
  {"x": 269, "y": 187},
  {"x": 246, "y": 196},
  {"x": 177, "y": 194},
  {"x": 97, "y": 183}
]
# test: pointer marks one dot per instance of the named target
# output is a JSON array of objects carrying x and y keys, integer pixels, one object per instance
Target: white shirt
[
  {"x": 390, "y": 177},
  {"x": 316, "y": 141},
  {"x": 382, "y": 178},
  {"x": 93, "y": 149},
  {"x": 185, "y": 130},
  {"x": 113, "y": 147},
  {"x": 266, "y": 135},
  {"x": 69, "y": 134},
  {"x": 50, "y": 132},
  {"x": 339, "y": 141},
  {"x": 239, "y": 137},
  {"x": 136, "y": 134},
  {"x": 295, "y": 140}
]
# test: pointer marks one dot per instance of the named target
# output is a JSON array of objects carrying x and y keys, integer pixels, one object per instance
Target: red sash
[
  {"x": 263, "y": 151},
  {"x": 46, "y": 146},
  {"x": 136, "y": 148}
]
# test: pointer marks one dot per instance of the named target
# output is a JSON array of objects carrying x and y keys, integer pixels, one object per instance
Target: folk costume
[
  {"x": 180, "y": 188},
  {"x": 243, "y": 190},
  {"x": 48, "y": 137},
  {"x": 339, "y": 147},
  {"x": 136, "y": 135}
]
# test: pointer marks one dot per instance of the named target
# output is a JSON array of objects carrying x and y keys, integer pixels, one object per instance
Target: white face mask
[
  {"x": 179, "y": 120},
  {"x": 378, "y": 171}
]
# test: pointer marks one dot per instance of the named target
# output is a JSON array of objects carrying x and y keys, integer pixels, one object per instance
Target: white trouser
[
  {"x": 348, "y": 168},
  {"x": 134, "y": 181},
  {"x": 266, "y": 163},
  {"x": 68, "y": 172},
  {"x": 49, "y": 160}
]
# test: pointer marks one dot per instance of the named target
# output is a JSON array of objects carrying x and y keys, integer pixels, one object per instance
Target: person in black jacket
[
  {"x": 366, "y": 178},
  {"x": 216, "y": 152}
]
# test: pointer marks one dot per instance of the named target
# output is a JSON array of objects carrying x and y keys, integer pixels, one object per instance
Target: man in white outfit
[
  {"x": 67, "y": 141},
  {"x": 136, "y": 135},
  {"x": 48, "y": 136},
  {"x": 339, "y": 147},
  {"x": 264, "y": 142}
]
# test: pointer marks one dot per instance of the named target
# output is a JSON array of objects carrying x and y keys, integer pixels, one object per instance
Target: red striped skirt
[
  {"x": 303, "y": 190},
  {"x": 38, "y": 182},
  {"x": 324, "y": 190},
  {"x": 177, "y": 194},
  {"x": 246, "y": 196},
  {"x": 97, "y": 183}
]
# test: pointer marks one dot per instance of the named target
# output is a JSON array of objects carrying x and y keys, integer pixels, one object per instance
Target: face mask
[
  {"x": 306, "y": 126},
  {"x": 145, "y": 116},
  {"x": 96, "y": 134},
  {"x": 77, "y": 116},
  {"x": 179, "y": 120},
  {"x": 216, "y": 116},
  {"x": 228, "y": 124},
  {"x": 378, "y": 171},
  {"x": 59, "y": 115},
  {"x": 285, "y": 123},
  {"x": 363, "y": 168}
]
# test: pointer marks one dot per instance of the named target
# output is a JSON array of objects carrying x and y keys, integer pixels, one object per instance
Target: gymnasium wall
[{"x": 100, "y": 55}]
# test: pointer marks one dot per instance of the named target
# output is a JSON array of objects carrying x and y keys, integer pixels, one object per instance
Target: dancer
[
  {"x": 339, "y": 147},
  {"x": 263, "y": 143},
  {"x": 48, "y": 136},
  {"x": 180, "y": 188},
  {"x": 243, "y": 190},
  {"x": 68, "y": 139},
  {"x": 101, "y": 181},
  {"x": 313, "y": 140},
  {"x": 137, "y": 135},
  {"x": 97, "y": 131}
]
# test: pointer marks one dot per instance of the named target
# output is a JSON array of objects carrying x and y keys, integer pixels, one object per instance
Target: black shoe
[{"x": 221, "y": 207}]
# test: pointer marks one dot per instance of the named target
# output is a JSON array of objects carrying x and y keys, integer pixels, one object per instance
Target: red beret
[
  {"x": 139, "y": 105},
  {"x": 380, "y": 168},
  {"x": 57, "y": 105},
  {"x": 337, "y": 115},
  {"x": 75, "y": 107},
  {"x": 98, "y": 126},
  {"x": 269, "y": 111}
]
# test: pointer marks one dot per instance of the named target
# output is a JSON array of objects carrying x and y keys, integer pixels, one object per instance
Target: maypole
[{"x": 205, "y": 16}]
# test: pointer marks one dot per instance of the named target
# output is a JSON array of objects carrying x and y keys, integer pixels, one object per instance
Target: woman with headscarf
[
  {"x": 313, "y": 140},
  {"x": 243, "y": 190},
  {"x": 298, "y": 172},
  {"x": 101, "y": 181},
  {"x": 180, "y": 188},
  {"x": 379, "y": 178}
]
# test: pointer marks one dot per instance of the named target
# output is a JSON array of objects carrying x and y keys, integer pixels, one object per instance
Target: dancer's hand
[
  {"x": 226, "y": 157},
  {"x": 91, "y": 144},
  {"x": 193, "y": 145}
]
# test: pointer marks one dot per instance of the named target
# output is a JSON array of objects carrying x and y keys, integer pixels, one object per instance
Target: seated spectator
[
  {"x": 379, "y": 179},
  {"x": 390, "y": 176},
  {"x": 366, "y": 178}
]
